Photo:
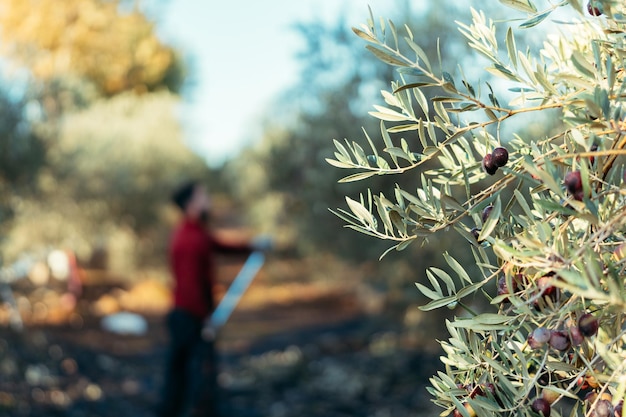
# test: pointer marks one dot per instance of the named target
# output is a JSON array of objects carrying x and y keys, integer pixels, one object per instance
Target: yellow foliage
[{"x": 89, "y": 38}]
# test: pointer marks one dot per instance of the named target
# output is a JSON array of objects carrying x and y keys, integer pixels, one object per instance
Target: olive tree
[{"x": 543, "y": 215}]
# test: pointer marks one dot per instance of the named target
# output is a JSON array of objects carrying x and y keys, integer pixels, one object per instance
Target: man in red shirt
[{"x": 188, "y": 390}]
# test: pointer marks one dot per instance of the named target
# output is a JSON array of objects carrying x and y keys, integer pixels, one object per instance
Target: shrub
[{"x": 545, "y": 225}]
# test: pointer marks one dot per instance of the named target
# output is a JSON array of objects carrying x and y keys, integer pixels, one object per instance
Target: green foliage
[
  {"x": 559, "y": 249},
  {"x": 93, "y": 148},
  {"x": 283, "y": 181}
]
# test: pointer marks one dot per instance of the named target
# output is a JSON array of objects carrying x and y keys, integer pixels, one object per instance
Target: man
[{"x": 190, "y": 377}]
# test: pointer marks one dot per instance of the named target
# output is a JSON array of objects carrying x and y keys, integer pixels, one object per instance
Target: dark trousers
[{"x": 190, "y": 387}]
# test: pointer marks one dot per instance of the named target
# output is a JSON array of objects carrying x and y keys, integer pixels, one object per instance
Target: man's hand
[
  {"x": 262, "y": 243},
  {"x": 209, "y": 332}
]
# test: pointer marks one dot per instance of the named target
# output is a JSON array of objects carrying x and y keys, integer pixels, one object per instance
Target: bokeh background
[{"x": 107, "y": 105}]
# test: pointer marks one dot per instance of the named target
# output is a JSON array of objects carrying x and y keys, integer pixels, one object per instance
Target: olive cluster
[
  {"x": 473, "y": 390},
  {"x": 496, "y": 159}
]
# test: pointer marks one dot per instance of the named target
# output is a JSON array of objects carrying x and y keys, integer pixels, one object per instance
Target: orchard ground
[{"x": 292, "y": 348}]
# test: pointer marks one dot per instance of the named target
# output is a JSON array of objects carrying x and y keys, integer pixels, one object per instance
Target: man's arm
[{"x": 222, "y": 245}]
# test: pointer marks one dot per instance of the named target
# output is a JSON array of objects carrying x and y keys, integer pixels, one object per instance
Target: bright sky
[{"x": 244, "y": 52}]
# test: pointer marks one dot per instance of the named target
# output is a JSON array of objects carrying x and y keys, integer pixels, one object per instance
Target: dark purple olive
[
  {"x": 476, "y": 390},
  {"x": 500, "y": 156},
  {"x": 538, "y": 337},
  {"x": 486, "y": 213},
  {"x": 591, "y": 397},
  {"x": 588, "y": 325},
  {"x": 575, "y": 336},
  {"x": 559, "y": 340},
  {"x": 579, "y": 195},
  {"x": 592, "y": 9},
  {"x": 541, "y": 406},
  {"x": 503, "y": 288},
  {"x": 489, "y": 165},
  {"x": 573, "y": 183},
  {"x": 594, "y": 148},
  {"x": 544, "y": 284},
  {"x": 603, "y": 408}
]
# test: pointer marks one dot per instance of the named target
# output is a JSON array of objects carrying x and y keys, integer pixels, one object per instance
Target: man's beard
[{"x": 205, "y": 217}]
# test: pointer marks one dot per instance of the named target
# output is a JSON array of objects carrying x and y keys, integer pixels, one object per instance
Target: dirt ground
[{"x": 307, "y": 351}]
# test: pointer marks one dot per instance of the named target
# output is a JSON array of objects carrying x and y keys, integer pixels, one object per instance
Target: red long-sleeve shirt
[{"x": 192, "y": 260}]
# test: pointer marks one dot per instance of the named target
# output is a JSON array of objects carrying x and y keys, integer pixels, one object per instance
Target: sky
[{"x": 244, "y": 55}]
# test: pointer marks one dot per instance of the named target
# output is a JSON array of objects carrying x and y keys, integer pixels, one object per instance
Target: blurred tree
[
  {"x": 129, "y": 148},
  {"x": 91, "y": 39},
  {"x": 108, "y": 177},
  {"x": 22, "y": 151},
  {"x": 100, "y": 93}
]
